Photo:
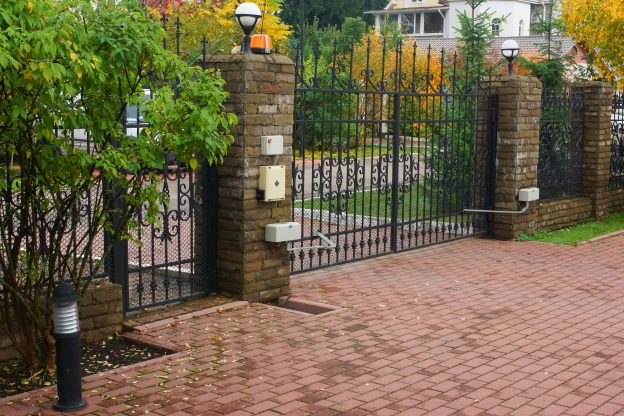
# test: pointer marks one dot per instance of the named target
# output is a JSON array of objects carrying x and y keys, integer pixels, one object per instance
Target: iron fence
[
  {"x": 560, "y": 166},
  {"x": 391, "y": 143},
  {"x": 616, "y": 172}
]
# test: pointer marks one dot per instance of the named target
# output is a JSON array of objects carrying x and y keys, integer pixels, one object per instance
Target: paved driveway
[{"x": 470, "y": 327}]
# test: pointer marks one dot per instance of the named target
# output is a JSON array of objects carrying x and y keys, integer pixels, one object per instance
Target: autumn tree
[
  {"x": 599, "y": 25},
  {"x": 550, "y": 65},
  {"x": 475, "y": 36},
  {"x": 189, "y": 23}
]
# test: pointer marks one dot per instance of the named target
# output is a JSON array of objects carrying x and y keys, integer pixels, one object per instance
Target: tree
[
  {"x": 69, "y": 66},
  {"x": 599, "y": 25},
  {"x": 550, "y": 67},
  {"x": 327, "y": 13},
  {"x": 475, "y": 36}
]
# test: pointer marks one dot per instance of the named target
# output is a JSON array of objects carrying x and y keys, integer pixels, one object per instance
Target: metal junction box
[
  {"x": 528, "y": 194},
  {"x": 271, "y": 145},
  {"x": 272, "y": 183},
  {"x": 285, "y": 231}
]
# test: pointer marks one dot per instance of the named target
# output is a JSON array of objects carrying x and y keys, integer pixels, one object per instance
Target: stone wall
[
  {"x": 101, "y": 310},
  {"x": 616, "y": 201},
  {"x": 561, "y": 213},
  {"x": 101, "y": 315},
  {"x": 517, "y": 158},
  {"x": 261, "y": 91}
]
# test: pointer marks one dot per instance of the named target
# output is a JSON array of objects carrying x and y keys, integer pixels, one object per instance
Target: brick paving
[{"x": 473, "y": 327}]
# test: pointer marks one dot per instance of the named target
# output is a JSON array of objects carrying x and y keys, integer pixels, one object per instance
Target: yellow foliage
[
  {"x": 215, "y": 21},
  {"x": 409, "y": 69},
  {"x": 599, "y": 24},
  {"x": 412, "y": 62}
]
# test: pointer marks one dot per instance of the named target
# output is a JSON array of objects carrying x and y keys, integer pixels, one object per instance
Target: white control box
[
  {"x": 273, "y": 183},
  {"x": 271, "y": 145},
  {"x": 285, "y": 231},
  {"x": 528, "y": 194}
]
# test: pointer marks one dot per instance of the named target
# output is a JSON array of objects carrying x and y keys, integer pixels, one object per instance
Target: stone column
[
  {"x": 261, "y": 91},
  {"x": 519, "y": 109},
  {"x": 597, "y": 99}
]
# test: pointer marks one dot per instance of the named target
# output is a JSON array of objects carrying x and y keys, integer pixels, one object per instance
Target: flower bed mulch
[{"x": 113, "y": 352}]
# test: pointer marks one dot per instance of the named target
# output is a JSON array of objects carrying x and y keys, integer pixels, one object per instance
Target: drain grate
[{"x": 306, "y": 307}]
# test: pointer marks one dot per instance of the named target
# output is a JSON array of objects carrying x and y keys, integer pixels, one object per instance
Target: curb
[
  {"x": 142, "y": 328},
  {"x": 602, "y": 237}
]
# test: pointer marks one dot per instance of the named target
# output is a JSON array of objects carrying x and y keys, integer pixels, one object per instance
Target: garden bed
[{"x": 111, "y": 353}]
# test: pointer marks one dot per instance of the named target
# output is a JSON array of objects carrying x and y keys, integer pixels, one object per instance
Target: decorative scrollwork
[
  {"x": 616, "y": 171},
  {"x": 561, "y": 144}
]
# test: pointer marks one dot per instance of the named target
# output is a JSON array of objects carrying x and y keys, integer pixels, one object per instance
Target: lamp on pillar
[
  {"x": 510, "y": 49},
  {"x": 67, "y": 334},
  {"x": 247, "y": 15}
]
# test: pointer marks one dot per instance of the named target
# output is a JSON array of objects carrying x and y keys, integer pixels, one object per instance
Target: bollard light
[
  {"x": 67, "y": 334},
  {"x": 510, "y": 49},
  {"x": 247, "y": 15}
]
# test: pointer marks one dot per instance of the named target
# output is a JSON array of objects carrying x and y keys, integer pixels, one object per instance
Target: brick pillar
[
  {"x": 597, "y": 98},
  {"x": 519, "y": 109},
  {"x": 261, "y": 91}
]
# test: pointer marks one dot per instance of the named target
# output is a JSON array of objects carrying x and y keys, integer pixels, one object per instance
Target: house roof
[
  {"x": 528, "y": 44},
  {"x": 408, "y": 9}
]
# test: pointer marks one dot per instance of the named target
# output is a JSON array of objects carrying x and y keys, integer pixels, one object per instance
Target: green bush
[{"x": 79, "y": 64}]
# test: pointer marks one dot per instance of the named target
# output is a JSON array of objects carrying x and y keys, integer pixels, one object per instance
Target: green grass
[
  {"x": 579, "y": 233},
  {"x": 417, "y": 202}
]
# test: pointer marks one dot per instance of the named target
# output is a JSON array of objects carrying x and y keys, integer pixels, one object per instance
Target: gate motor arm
[
  {"x": 330, "y": 244},
  {"x": 525, "y": 195}
]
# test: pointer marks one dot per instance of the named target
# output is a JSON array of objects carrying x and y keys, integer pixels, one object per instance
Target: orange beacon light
[{"x": 261, "y": 44}]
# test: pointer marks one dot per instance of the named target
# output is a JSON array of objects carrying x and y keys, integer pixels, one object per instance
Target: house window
[
  {"x": 496, "y": 27},
  {"x": 433, "y": 23},
  {"x": 408, "y": 24},
  {"x": 521, "y": 28}
]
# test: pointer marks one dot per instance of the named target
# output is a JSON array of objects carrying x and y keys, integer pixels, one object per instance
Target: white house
[
  {"x": 439, "y": 18},
  {"x": 435, "y": 22}
]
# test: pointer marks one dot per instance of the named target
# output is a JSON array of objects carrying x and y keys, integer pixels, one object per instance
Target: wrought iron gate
[
  {"x": 385, "y": 158},
  {"x": 174, "y": 259}
]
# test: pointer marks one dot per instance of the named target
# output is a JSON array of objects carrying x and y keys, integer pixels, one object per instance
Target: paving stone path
[{"x": 474, "y": 327}]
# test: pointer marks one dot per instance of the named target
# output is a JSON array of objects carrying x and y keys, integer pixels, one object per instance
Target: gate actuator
[{"x": 526, "y": 195}]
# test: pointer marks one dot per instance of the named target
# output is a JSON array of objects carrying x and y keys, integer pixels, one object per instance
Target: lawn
[
  {"x": 579, "y": 233},
  {"x": 416, "y": 202}
]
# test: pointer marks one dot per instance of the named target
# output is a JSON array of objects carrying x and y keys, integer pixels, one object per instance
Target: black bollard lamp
[{"x": 67, "y": 334}]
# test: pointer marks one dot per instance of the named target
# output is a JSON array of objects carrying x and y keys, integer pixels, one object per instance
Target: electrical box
[
  {"x": 272, "y": 184},
  {"x": 528, "y": 194},
  {"x": 271, "y": 145},
  {"x": 285, "y": 231}
]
